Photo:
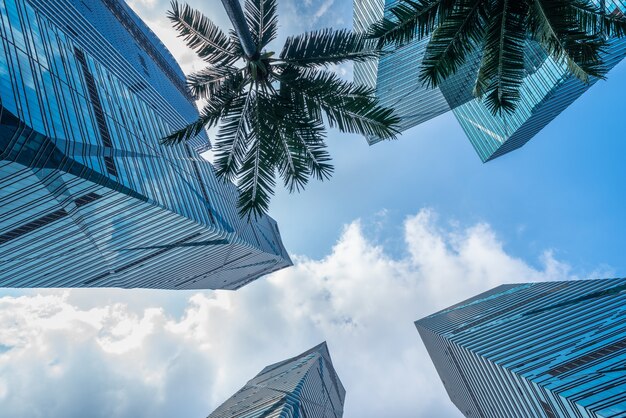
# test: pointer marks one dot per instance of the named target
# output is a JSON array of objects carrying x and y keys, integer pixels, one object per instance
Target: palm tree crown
[
  {"x": 573, "y": 32},
  {"x": 270, "y": 110}
]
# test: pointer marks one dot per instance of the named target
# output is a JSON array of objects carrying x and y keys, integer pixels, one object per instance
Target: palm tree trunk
[{"x": 235, "y": 13}]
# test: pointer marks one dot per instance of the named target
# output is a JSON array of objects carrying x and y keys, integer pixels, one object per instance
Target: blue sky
[
  {"x": 404, "y": 228},
  {"x": 562, "y": 191}
]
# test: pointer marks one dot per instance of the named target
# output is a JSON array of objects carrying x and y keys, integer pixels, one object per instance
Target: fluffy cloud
[
  {"x": 162, "y": 354},
  {"x": 154, "y": 14}
]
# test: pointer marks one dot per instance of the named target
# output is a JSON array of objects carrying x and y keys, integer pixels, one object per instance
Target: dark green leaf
[
  {"x": 256, "y": 177},
  {"x": 204, "y": 83},
  {"x": 556, "y": 26},
  {"x": 326, "y": 47},
  {"x": 349, "y": 107},
  {"x": 232, "y": 138},
  {"x": 596, "y": 18},
  {"x": 217, "y": 106},
  {"x": 453, "y": 40},
  {"x": 262, "y": 21},
  {"x": 202, "y": 35},
  {"x": 410, "y": 20},
  {"x": 502, "y": 66}
]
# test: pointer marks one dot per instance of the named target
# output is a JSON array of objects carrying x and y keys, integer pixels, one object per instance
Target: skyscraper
[
  {"x": 554, "y": 349},
  {"x": 394, "y": 75},
  {"x": 88, "y": 196},
  {"x": 548, "y": 88},
  {"x": 302, "y": 386}
]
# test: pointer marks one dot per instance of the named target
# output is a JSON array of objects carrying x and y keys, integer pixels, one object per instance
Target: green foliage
[
  {"x": 573, "y": 32},
  {"x": 502, "y": 68},
  {"x": 349, "y": 107},
  {"x": 554, "y": 25},
  {"x": 328, "y": 46},
  {"x": 270, "y": 112},
  {"x": 206, "y": 82},
  {"x": 262, "y": 20},
  {"x": 411, "y": 20},
  {"x": 453, "y": 40},
  {"x": 202, "y": 35}
]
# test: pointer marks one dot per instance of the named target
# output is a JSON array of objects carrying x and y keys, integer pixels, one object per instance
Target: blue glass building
[
  {"x": 394, "y": 75},
  {"x": 553, "y": 349},
  {"x": 547, "y": 91},
  {"x": 302, "y": 386},
  {"x": 88, "y": 196}
]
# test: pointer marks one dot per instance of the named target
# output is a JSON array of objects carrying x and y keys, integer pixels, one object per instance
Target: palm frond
[
  {"x": 256, "y": 177},
  {"x": 202, "y": 35},
  {"x": 410, "y": 20},
  {"x": 187, "y": 132},
  {"x": 327, "y": 46},
  {"x": 262, "y": 20},
  {"x": 349, "y": 107},
  {"x": 236, "y": 43},
  {"x": 292, "y": 164},
  {"x": 502, "y": 67},
  {"x": 230, "y": 143},
  {"x": 303, "y": 149},
  {"x": 204, "y": 83},
  {"x": 215, "y": 108},
  {"x": 557, "y": 29},
  {"x": 595, "y": 18},
  {"x": 292, "y": 161},
  {"x": 453, "y": 40},
  {"x": 309, "y": 140}
]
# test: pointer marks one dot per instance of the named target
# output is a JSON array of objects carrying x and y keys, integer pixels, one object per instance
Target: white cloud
[
  {"x": 141, "y": 4},
  {"x": 121, "y": 354},
  {"x": 154, "y": 14},
  {"x": 323, "y": 8}
]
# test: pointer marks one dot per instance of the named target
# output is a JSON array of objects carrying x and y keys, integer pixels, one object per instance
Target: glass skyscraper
[
  {"x": 302, "y": 386},
  {"x": 547, "y": 91},
  {"x": 394, "y": 75},
  {"x": 88, "y": 196},
  {"x": 552, "y": 349}
]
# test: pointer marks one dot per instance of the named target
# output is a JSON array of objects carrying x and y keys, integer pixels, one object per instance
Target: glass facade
[
  {"x": 88, "y": 196},
  {"x": 365, "y": 13},
  {"x": 547, "y": 91},
  {"x": 552, "y": 349},
  {"x": 302, "y": 386},
  {"x": 394, "y": 75}
]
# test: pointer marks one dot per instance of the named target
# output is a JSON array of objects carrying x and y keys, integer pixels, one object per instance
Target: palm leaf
[
  {"x": 204, "y": 83},
  {"x": 502, "y": 68},
  {"x": 594, "y": 18},
  {"x": 216, "y": 107},
  {"x": 349, "y": 107},
  {"x": 262, "y": 21},
  {"x": 202, "y": 35},
  {"x": 303, "y": 152},
  {"x": 453, "y": 40},
  {"x": 293, "y": 164},
  {"x": 309, "y": 141},
  {"x": 410, "y": 20},
  {"x": 187, "y": 132},
  {"x": 231, "y": 140},
  {"x": 326, "y": 47},
  {"x": 557, "y": 29},
  {"x": 256, "y": 177}
]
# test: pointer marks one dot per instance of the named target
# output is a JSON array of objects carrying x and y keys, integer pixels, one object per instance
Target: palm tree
[
  {"x": 270, "y": 110},
  {"x": 573, "y": 32}
]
